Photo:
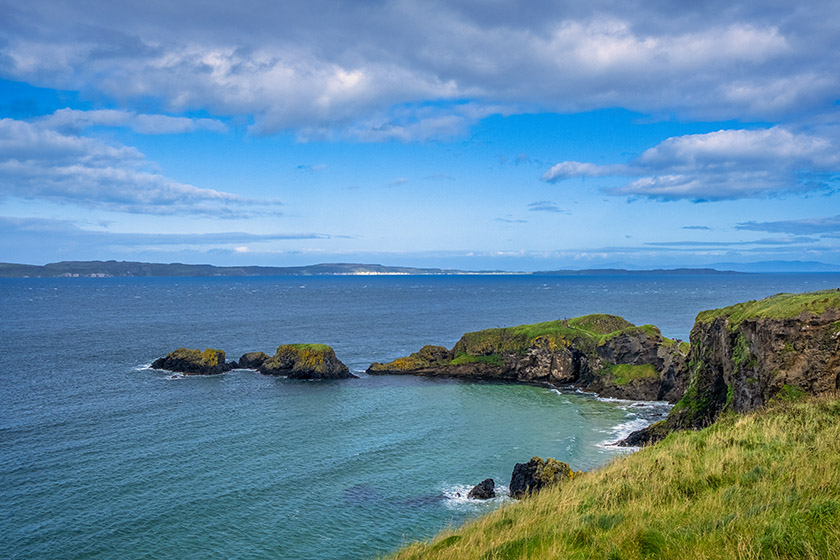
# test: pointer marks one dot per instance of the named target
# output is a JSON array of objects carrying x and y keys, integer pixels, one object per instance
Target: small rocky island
[
  {"x": 605, "y": 354},
  {"x": 295, "y": 361}
]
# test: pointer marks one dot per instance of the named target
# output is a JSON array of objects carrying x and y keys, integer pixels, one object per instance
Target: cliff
[
  {"x": 602, "y": 353},
  {"x": 747, "y": 355}
]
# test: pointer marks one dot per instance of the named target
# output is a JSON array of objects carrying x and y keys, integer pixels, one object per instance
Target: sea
[{"x": 102, "y": 457}]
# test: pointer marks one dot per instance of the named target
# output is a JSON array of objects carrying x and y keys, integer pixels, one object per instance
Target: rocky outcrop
[
  {"x": 601, "y": 353},
  {"x": 484, "y": 490},
  {"x": 425, "y": 361},
  {"x": 748, "y": 354},
  {"x": 295, "y": 361},
  {"x": 253, "y": 360},
  {"x": 536, "y": 474},
  {"x": 305, "y": 361},
  {"x": 191, "y": 361}
]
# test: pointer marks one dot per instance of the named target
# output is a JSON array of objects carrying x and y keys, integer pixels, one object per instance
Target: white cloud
[
  {"x": 826, "y": 225},
  {"x": 38, "y": 162},
  {"x": 726, "y": 164},
  {"x": 76, "y": 120},
  {"x": 342, "y": 69}
]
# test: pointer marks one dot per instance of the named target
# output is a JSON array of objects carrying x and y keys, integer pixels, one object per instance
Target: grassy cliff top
[
  {"x": 780, "y": 306},
  {"x": 311, "y": 347},
  {"x": 763, "y": 485},
  {"x": 585, "y": 332}
]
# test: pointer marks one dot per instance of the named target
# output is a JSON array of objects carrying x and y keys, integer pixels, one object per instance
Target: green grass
[
  {"x": 585, "y": 333},
  {"x": 494, "y": 359},
  {"x": 760, "y": 486},
  {"x": 312, "y": 347},
  {"x": 780, "y": 306},
  {"x": 622, "y": 374}
]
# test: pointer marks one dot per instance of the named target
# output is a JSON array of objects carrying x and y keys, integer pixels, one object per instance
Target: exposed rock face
[
  {"x": 305, "y": 361},
  {"x": 637, "y": 364},
  {"x": 536, "y": 474},
  {"x": 484, "y": 490},
  {"x": 191, "y": 361},
  {"x": 253, "y": 360},
  {"x": 745, "y": 355},
  {"x": 601, "y": 353}
]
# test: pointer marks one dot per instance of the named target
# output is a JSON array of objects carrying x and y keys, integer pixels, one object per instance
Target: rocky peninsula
[
  {"x": 295, "y": 361},
  {"x": 605, "y": 354}
]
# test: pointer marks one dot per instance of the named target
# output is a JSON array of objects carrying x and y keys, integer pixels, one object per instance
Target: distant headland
[{"x": 108, "y": 269}]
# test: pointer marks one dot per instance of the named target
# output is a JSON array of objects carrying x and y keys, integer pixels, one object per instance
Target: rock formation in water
[
  {"x": 305, "y": 361},
  {"x": 601, "y": 353},
  {"x": 191, "y": 361},
  {"x": 747, "y": 354},
  {"x": 253, "y": 360},
  {"x": 536, "y": 474},
  {"x": 296, "y": 361},
  {"x": 484, "y": 490}
]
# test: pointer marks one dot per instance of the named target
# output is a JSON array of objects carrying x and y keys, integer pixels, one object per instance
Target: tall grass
[{"x": 760, "y": 486}]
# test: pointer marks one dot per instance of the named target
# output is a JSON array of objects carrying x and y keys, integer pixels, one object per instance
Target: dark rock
[
  {"x": 484, "y": 490},
  {"x": 305, "y": 361},
  {"x": 536, "y": 474},
  {"x": 253, "y": 360},
  {"x": 646, "y": 436},
  {"x": 191, "y": 361}
]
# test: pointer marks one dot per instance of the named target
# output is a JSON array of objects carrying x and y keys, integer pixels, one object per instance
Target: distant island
[{"x": 109, "y": 269}]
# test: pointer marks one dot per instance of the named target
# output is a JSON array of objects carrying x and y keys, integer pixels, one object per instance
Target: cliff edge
[{"x": 746, "y": 355}]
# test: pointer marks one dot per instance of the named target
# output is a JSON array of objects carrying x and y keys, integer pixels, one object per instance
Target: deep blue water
[{"x": 102, "y": 458}]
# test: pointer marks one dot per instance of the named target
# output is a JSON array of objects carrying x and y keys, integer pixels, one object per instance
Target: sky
[{"x": 480, "y": 135}]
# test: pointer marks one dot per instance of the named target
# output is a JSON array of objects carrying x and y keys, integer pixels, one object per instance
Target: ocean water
[{"x": 101, "y": 457}]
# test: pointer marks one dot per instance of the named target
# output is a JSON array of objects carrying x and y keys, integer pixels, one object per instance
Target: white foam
[{"x": 455, "y": 497}]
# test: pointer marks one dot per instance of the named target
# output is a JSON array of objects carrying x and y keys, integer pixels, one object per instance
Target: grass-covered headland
[{"x": 762, "y": 485}]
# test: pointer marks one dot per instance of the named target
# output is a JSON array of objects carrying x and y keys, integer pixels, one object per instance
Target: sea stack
[
  {"x": 305, "y": 361},
  {"x": 191, "y": 361}
]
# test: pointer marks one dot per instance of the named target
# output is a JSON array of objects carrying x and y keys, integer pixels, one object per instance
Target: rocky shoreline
[
  {"x": 603, "y": 354},
  {"x": 739, "y": 358}
]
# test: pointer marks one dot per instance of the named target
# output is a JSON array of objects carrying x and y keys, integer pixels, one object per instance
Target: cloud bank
[{"x": 366, "y": 70}]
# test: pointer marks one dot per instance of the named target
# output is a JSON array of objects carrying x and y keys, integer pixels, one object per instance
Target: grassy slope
[
  {"x": 780, "y": 306},
  {"x": 763, "y": 485},
  {"x": 586, "y": 332}
]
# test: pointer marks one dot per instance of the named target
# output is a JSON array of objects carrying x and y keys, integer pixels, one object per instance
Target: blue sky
[{"x": 473, "y": 135}]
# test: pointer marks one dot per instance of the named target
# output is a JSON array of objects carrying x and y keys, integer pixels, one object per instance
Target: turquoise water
[{"x": 101, "y": 457}]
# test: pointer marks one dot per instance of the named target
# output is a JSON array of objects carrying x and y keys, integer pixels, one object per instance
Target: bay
[{"x": 101, "y": 457}]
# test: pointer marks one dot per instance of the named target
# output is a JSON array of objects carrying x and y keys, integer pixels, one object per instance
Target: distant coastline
[{"x": 126, "y": 269}]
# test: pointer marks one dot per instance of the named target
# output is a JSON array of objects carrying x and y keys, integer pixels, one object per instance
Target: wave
[{"x": 455, "y": 498}]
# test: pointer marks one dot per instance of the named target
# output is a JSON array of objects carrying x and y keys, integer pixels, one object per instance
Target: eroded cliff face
[
  {"x": 601, "y": 353},
  {"x": 745, "y": 355},
  {"x": 742, "y": 366}
]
